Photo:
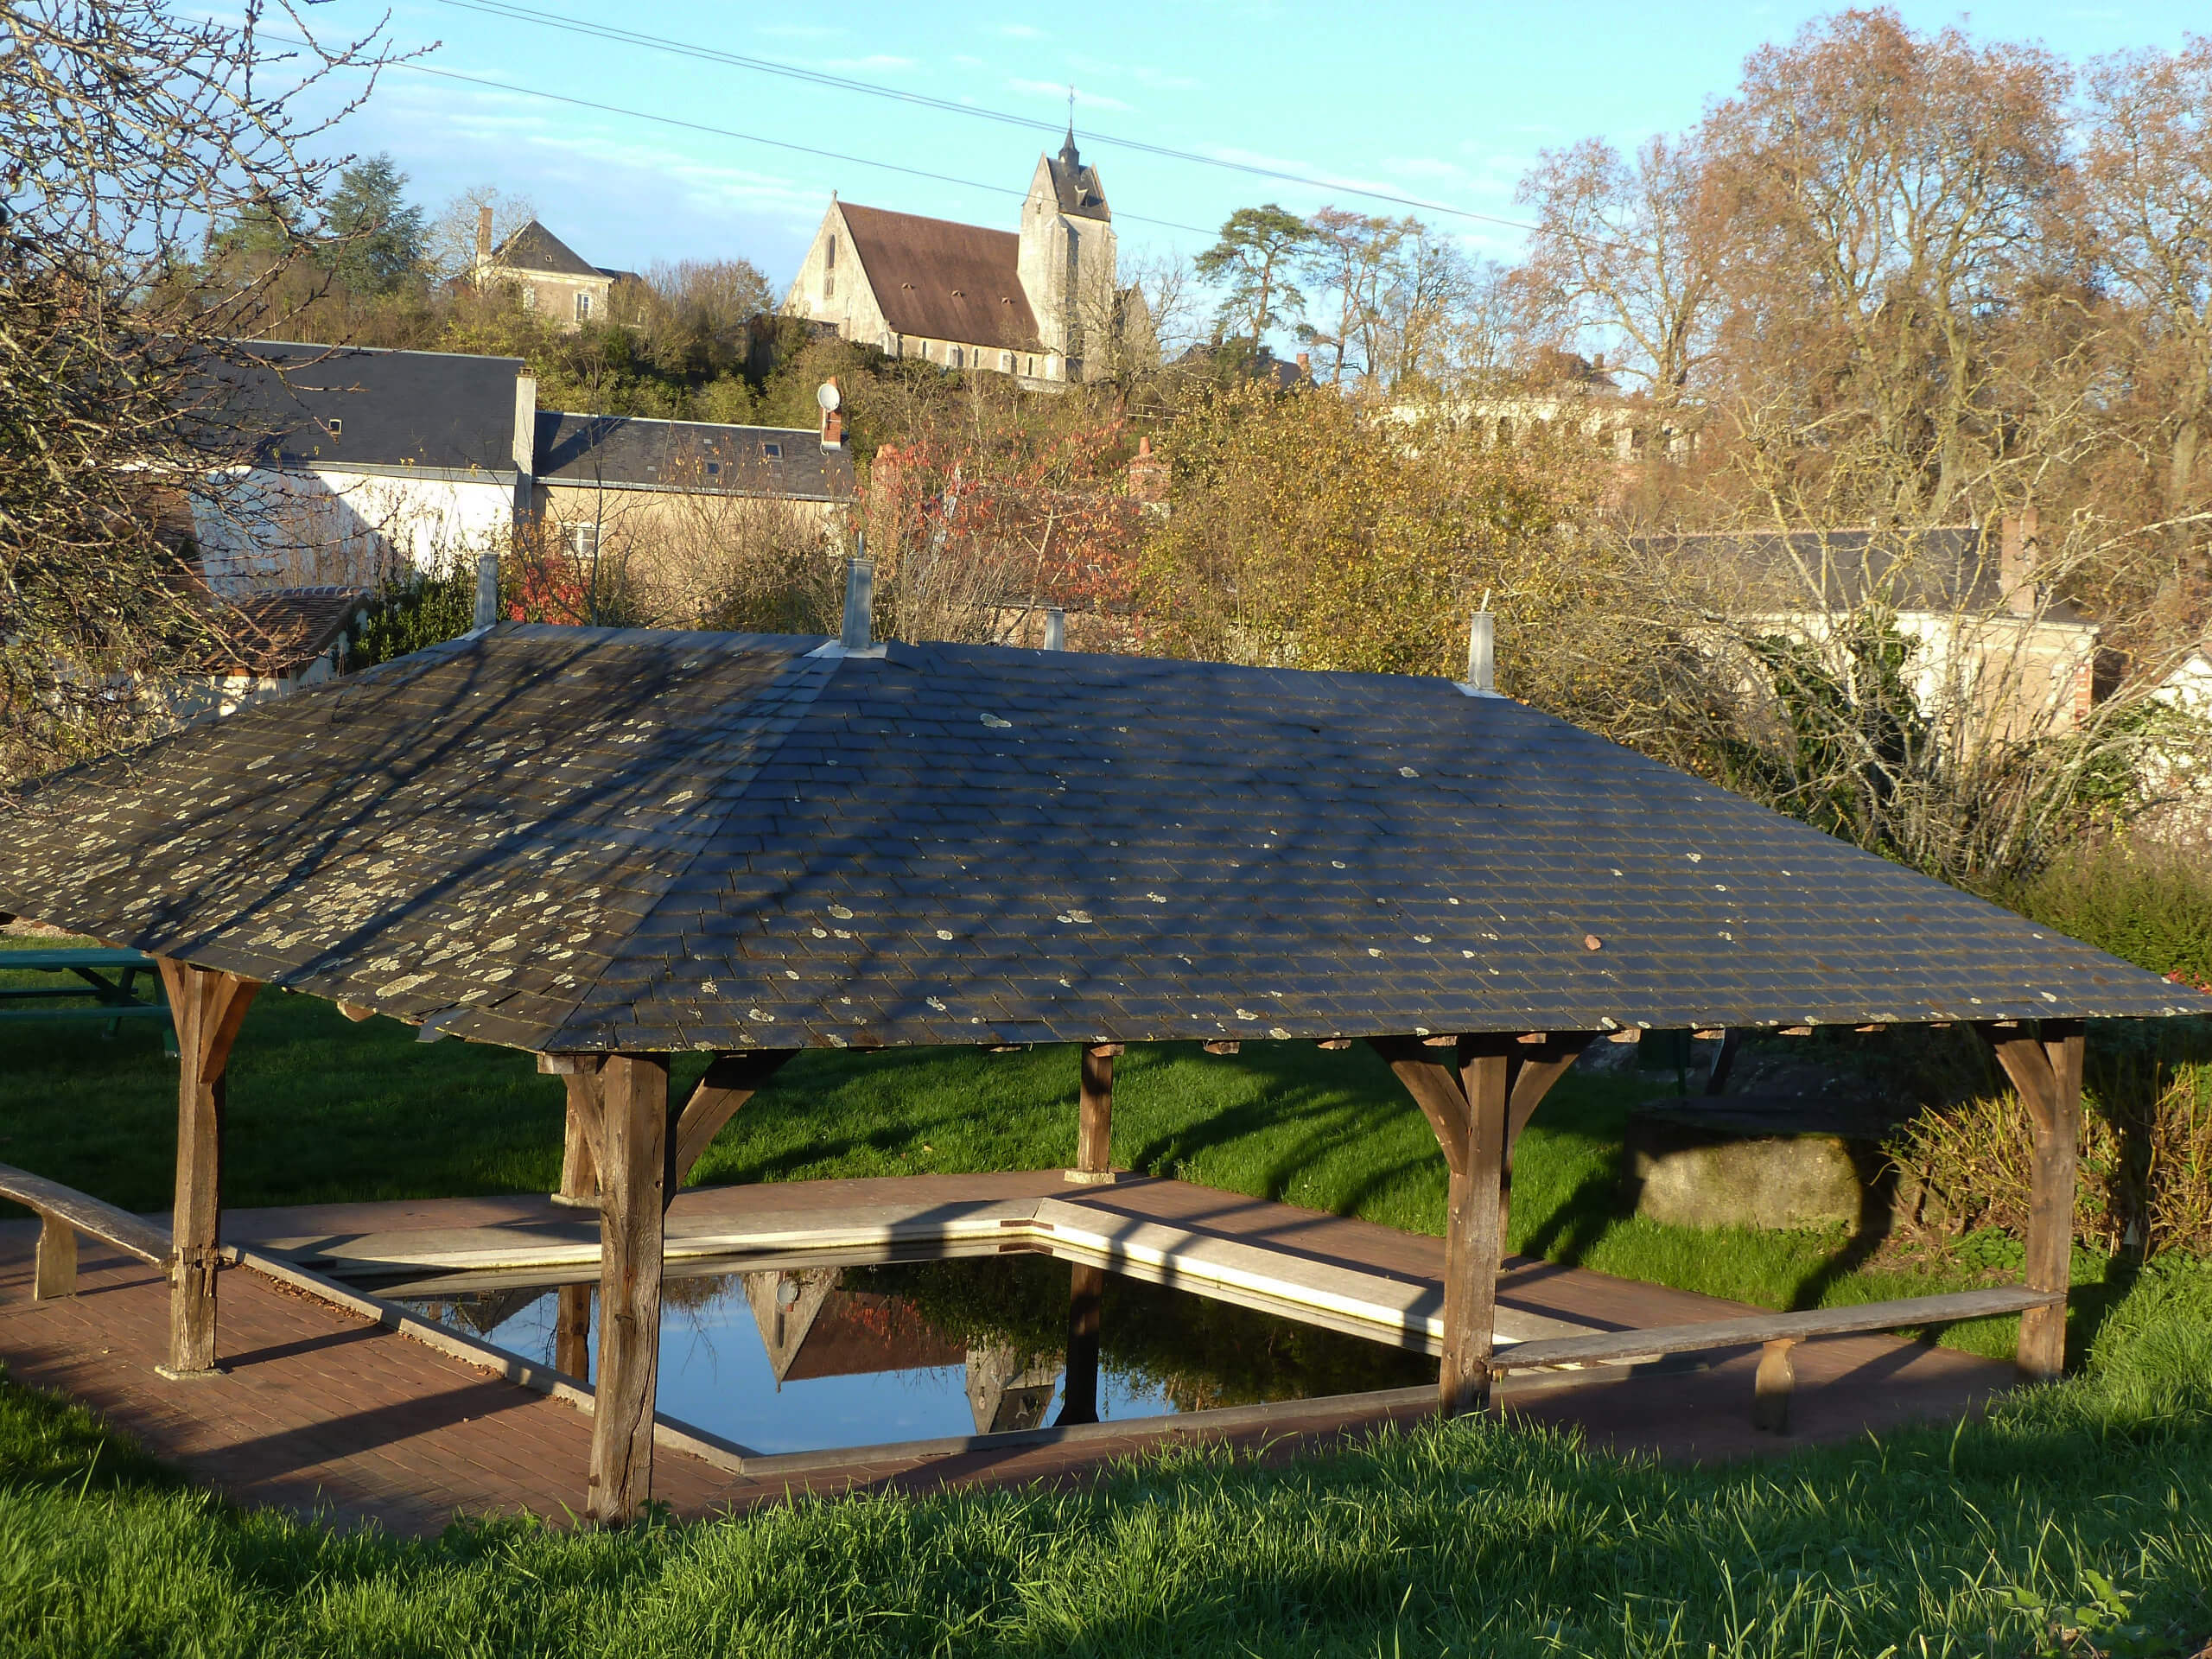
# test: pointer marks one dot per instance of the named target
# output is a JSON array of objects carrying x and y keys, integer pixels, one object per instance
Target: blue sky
[{"x": 1450, "y": 103}]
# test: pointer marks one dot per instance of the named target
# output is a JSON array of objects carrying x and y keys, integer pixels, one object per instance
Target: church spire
[{"x": 1068, "y": 156}]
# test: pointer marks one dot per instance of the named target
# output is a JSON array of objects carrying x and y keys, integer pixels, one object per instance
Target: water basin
[{"x": 818, "y": 1358}]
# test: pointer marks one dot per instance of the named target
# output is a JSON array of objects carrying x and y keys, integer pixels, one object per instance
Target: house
[
  {"x": 547, "y": 275},
  {"x": 1981, "y": 628},
  {"x": 352, "y": 467},
  {"x": 350, "y": 464},
  {"x": 671, "y": 502},
  {"x": 1041, "y": 301}
]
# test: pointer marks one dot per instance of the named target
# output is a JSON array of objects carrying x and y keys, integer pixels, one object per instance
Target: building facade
[{"x": 1040, "y": 302}]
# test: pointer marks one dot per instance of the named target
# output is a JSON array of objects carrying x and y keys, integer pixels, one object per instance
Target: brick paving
[{"x": 316, "y": 1410}]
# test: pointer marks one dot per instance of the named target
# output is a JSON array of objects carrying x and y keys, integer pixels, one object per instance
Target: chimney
[
  {"x": 1482, "y": 651},
  {"x": 1147, "y": 475},
  {"x": 857, "y": 633},
  {"x": 2020, "y": 546},
  {"x": 484, "y": 235},
  {"x": 833, "y": 415},
  {"x": 1056, "y": 628},
  {"x": 1305, "y": 365}
]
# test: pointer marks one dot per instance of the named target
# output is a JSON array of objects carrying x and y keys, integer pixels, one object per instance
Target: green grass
[
  {"x": 2079, "y": 1506},
  {"x": 323, "y": 1110}
]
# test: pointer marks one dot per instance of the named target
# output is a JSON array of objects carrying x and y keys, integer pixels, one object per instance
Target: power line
[
  {"x": 745, "y": 137},
  {"x": 507, "y": 9}
]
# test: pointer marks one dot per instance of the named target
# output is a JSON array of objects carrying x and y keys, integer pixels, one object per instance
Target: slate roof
[
  {"x": 389, "y": 409},
  {"x": 1946, "y": 568},
  {"x": 676, "y": 456},
  {"x": 578, "y": 839},
  {"x": 535, "y": 248},
  {"x": 1077, "y": 187},
  {"x": 942, "y": 280}
]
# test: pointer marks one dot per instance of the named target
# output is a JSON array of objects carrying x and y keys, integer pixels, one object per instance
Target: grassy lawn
[{"x": 2081, "y": 1506}]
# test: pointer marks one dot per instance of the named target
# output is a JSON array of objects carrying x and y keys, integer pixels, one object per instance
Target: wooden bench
[
  {"x": 109, "y": 976},
  {"x": 1776, "y": 1333},
  {"x": 63, "y": 1212}
]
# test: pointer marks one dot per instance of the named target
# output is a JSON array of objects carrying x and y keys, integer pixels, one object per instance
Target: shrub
[{"x": 2150, "y": 906}]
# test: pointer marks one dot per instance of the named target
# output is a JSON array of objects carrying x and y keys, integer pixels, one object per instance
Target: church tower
[{"x": 1067, "y": 260}]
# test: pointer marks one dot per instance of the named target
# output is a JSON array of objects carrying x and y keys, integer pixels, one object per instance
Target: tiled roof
[
  {"x": 277, "y": 629},
  {"x": 779, "y": 461},
  {"x": 944, "y": 281},
  {"x": 535, "y": 248},
  {"x": 565, "y": 838}
]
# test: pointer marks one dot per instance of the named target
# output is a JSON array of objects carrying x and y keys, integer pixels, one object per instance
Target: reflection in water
[{"x": 823, "y": 1357}]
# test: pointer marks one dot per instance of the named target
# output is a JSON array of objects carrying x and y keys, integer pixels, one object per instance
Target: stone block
[{"x": 1720, "y": 1167}]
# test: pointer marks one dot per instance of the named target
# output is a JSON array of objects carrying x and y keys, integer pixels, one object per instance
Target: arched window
[{"x": 957, "y": 362}]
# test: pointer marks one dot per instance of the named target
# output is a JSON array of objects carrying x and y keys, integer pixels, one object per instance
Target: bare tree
[
  {"x": 1630, "y": 252},
  {"x": 129, "y": 130},
  {"x": 450, "y": 249}
]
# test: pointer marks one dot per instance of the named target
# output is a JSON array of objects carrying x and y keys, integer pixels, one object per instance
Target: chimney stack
[
  {"x": 1305, "y": 365},
  {"x": 1056, "y": 628},
  {"x": 1482, "y": 651},
  {"x": 2019, "y": 547},
  {"x": 1147, "y": 475},
  {"x": 483, "y": 236},
  {"x": 858, "y": 633},
  {"x": 833, "y": 415}
]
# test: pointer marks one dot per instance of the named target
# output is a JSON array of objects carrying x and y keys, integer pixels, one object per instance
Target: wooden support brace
[
  {"x": 580, "y": 1136},
  {"x": 2045, "y": 1067},
  {"x": 731, "y": 1081},
  {"x": 1771, "y": 1388},
  {"x": 207, "y": 1006},
  {"x": 55, "y": 1276},
  {"x": 633, "y": 1169},
  {"x": 1094, "y": 1162}
]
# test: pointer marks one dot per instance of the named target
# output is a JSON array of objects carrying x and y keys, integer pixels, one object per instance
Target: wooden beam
[
  {"x": 633, "y": 1172},
  {"x": 1094, "y": 1134},
  {"x": 2045, "y": 1067},
  {"x": 1534, "y": 1071},
  {"x": 1434, "y": 1090},
  {"x": 207, "y": 1006},
  {"x": 731, "y": 1081},
  {"x": 580, "y": 1137}
]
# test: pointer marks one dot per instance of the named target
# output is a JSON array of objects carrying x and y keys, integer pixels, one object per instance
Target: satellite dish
[{"x": 826, "y": 395}]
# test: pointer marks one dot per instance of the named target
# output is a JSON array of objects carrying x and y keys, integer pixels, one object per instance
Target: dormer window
[
  {"x": 713, "y": 469},
  {"x": 333, "y": 426}
]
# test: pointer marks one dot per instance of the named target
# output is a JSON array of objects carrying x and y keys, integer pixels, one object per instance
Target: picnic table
[{"x": 109, "y": 976}]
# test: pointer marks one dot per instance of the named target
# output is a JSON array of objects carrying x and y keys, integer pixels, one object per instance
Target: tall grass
[{"x": 2147, "y": 904}]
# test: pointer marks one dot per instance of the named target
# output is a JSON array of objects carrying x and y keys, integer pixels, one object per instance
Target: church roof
[
  {"x": 535, "y": 248},
  {"x": 595, "y": 839},
  {"x": 944, "y": 281},
  {"x": 1080, "y": 194}
]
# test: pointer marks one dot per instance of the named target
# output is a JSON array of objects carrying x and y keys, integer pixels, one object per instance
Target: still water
[{"x": 821, "y": 1358}]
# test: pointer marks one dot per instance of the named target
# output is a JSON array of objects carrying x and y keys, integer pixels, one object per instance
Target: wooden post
[
  {"x": 633, "y": 1170},
  {"x": 1079, "y": 1391},
  {"x": 2046, "y": 1069},
  {"x": 1476, "y": 1113},
  {"x": 1094, "y": 1159},
  {"x": 1772, "y": 1385},
  {"x": 55, "y": 1273},
  {"x": 207, "y": 1006}
]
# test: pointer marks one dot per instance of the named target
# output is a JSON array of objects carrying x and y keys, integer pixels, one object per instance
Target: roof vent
[
  {"x": 860, "y": 597},
  {"x": 1482, "y": 652}
]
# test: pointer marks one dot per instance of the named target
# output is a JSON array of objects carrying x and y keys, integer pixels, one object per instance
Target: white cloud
[{"x": 1019, "y": 32}]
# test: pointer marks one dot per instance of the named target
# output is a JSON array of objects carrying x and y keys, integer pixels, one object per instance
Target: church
[{"x": 1041, "y": 302}]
